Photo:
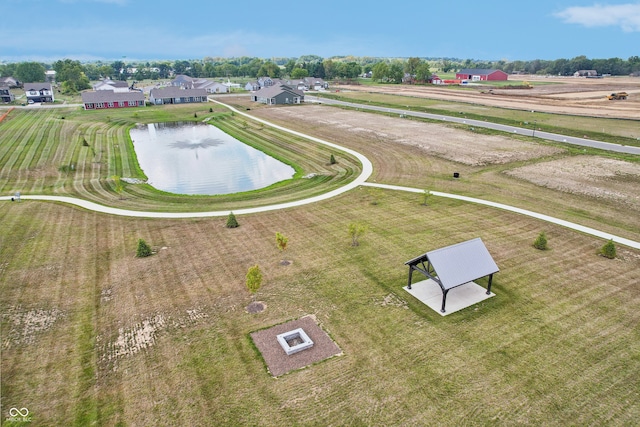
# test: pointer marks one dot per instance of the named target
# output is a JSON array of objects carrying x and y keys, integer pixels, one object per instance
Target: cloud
[{"x": 625, "y": 16}]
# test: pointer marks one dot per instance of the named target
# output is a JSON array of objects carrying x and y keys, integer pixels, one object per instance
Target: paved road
[
  {"x": 479, "y": 123},
  {"x": 367, "y": 170}
]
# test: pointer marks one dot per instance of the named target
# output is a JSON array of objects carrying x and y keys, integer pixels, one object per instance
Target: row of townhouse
[
  {"x": 307, "y": 83},
  {"x": 104, "y": 98},
  {"x": 210, "y": 86}
]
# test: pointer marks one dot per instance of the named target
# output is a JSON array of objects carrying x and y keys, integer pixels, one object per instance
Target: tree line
[{"x": 75, "y": 76}]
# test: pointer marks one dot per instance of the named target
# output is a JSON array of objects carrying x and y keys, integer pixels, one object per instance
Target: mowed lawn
[{"x": 93, "y": 335}]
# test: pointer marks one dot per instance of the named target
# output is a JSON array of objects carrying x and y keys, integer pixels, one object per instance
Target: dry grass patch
[
  {"x": 602, "y": 178},
  {"x": 453, "y": 144}
]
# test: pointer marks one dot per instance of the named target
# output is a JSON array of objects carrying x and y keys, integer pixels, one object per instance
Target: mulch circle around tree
[{"x": 256, "y": 307}]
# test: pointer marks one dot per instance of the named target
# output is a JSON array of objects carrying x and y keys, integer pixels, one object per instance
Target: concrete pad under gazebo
[{"x": 450, "y": 272}]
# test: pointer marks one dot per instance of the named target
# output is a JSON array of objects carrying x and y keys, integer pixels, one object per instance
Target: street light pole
[{"x": 534, "y": 128}]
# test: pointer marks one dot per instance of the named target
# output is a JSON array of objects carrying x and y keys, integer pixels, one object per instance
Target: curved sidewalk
[{"x": 547, "y": 218}]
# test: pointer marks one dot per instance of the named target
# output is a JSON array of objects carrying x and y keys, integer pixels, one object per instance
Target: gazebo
[{"x": 455, "y": 265}]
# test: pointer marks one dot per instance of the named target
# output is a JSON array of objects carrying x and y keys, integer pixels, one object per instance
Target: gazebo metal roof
[{"x": 455, "y": 265}]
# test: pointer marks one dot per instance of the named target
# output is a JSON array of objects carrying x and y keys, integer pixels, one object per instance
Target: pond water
[{"x": 197, "y": 158}]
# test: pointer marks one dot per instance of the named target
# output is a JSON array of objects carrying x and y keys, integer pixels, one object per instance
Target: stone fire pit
[{"x": 294, "y": 345}]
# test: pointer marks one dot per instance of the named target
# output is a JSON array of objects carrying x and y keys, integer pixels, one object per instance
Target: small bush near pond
[{"x": 232, "y": 222}]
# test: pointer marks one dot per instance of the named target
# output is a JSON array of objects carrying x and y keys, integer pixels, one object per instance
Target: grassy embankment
[{"x": 44, "y": 152}]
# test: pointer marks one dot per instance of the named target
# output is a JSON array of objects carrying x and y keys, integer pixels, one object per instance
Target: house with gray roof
[
  {"x": 277, "y": 95},
  {"x": 101, "y": 99},
  {"x": 5, "y": 94},
  {"x": 175, "y": 95},
  {"x": 114, "y": 85},
  {"x": 39, "y": 92},
  {"x": 185, "y": 82}
]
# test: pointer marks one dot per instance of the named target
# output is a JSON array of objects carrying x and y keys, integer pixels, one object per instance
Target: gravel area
[{"x": 278, "y": 363}]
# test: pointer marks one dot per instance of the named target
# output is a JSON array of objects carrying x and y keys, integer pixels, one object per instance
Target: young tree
[
  {"x": 541, "y": 242},
  {"x": 332, "y": 159},
  {"x": 232, "y": 222},
  {"x": 608, "y": 250},
  {"x": 356, "y": 230},
  {"x": 281, "y": 243},
  {"x": 143, "y": 250},
  {"x": 254, "y": 280},
  {"x": 425, "y": 197}
]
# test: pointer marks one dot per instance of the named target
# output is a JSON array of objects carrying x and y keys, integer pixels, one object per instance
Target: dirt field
[
  {"x": 452, "y": 144},
  {"x": 567, "y": 95},
  {"x": 596, "y": 177}
]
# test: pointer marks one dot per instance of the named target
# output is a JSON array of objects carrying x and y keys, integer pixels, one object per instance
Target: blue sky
[{"x": 47, "y": 30}]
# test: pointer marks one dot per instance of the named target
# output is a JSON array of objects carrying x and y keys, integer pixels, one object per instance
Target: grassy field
[{"x": 93, "y": 335}]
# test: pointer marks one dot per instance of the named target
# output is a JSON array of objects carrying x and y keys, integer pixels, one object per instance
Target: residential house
[
  {"x": 481, "y": 74},
  {"x": 175, "y": 95},
  {"x": 10, "y": 82},
  {"x": 308, "y": 83},
  {"x": 316, "y": 83},
  {"x": 5, "y": 94},
  {"x": 252, "y": 86},
  {"x": 585, "y": 73},
  {"x": 50, "y": 75},
  {"x": 39, "y": 92},
  {"x": 213, "y": 87},
  {"x": 108, "y": 84},
  {"x": 277, "y": 95},
  {"x": 100, "y": 99},
  {"x": 435, "y": 79},
  {"x": 186, "y": 82}
]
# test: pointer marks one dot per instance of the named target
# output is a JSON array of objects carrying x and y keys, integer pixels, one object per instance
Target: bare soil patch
[
  {"x": 452, "y": 144},
  {"x": 579, "y": 96},
  {"x": 256, "y": 307},
  {"x": 26, "y": 325},
  {"x": 592, "y": 176},
  {"x": 278, "y": 362}
]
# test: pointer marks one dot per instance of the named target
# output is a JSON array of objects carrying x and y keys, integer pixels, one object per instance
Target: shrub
[
  {"x": 541, "y": 242},
  {"x": 254, "y": 280},
  {"x": 144, "y": 250},
  {"x": 332, "y": 159},
  {"x": 232, "y": 222},
  {"x": 356, "y": 230},
  {"x": 608, "y": 250}
]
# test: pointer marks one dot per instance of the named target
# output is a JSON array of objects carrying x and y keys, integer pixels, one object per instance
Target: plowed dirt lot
[{"x": 563, "y": 95}]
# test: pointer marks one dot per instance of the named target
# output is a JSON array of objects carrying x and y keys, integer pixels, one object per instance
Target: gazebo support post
[
  {"x": 410, "y": 276},
  {"x": 444, "y": 300},
  {"x": 489, "y": 285}
]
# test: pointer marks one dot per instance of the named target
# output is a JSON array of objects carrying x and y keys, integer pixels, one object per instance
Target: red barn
[{"x": 481, "y": 74}]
